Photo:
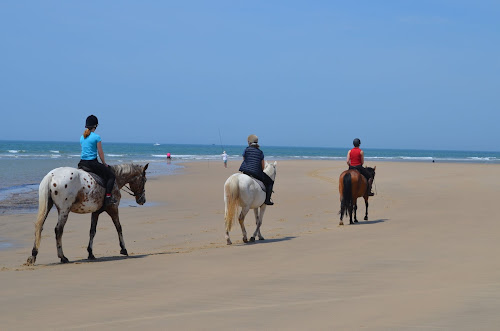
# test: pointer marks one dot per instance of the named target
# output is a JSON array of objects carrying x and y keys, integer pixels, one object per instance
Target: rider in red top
[{"x": 356, "y": 159}]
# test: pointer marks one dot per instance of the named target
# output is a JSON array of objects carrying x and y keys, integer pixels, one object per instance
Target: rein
[{"x": 129, "y": 191}]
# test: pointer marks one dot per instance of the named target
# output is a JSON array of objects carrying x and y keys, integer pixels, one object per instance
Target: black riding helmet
[
  {"x": 356, "y": 142},
  {"x": 91, "y": 122}
]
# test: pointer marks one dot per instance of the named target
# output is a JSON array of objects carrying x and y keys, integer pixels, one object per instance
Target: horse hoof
[
  {"x": 64, "y": 260},
  {"x": 252, "y": 239},
  {"x": 341, "y": 223},
  {"x": 261, "y": 238},
  {"x": 124, "y": 252},
  {"x": 30, "y": 261},
  {"x": 91, "y": 257},
  {"x": 366, "y": 218},
  {"x": 355, "y": 221},
  {"x": 351, "y": 222},
  {"x": 245, "y": 240},
  {"x": 229, "y": 242}
]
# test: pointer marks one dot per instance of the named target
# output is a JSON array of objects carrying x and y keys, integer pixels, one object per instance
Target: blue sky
[{"x": 397, "y": 74}]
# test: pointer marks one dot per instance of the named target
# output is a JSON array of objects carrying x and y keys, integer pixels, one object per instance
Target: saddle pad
[
  {"x": 262, "y": 186},
  {"x": 97, "y": 178}
]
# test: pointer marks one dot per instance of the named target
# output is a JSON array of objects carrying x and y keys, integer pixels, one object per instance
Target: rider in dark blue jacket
[{"x": 253, "y": 165}]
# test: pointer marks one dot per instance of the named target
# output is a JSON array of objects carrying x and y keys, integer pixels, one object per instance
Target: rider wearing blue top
[
  {"x": 91, "y": 147},
  {"x": 253, "y": 166}
]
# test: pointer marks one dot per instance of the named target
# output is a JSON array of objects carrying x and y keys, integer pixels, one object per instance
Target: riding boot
[
  {"x": 369, "y": 189},
  {"x": 269, "y": 191},
  {"x": 109, "y": 200}
]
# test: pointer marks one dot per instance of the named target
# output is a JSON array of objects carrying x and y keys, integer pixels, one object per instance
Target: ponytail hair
[{"x": 86, "y": 133}]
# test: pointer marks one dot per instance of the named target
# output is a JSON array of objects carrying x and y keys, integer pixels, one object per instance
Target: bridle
[{"x": 129, "y": 191}]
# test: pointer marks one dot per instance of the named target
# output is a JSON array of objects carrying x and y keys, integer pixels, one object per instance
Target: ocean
[{"x": 23, "y": 164}]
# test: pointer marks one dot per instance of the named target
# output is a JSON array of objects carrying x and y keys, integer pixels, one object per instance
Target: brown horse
[{"x": 353, "y": 185}]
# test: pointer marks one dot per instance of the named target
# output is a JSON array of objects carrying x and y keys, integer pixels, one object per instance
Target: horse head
[
  {"x": 135, "y": 176},
  {"x": 270, "y": 170},
  {"x": 137, "y": 185},
  {"x": 371, "y": 171}
]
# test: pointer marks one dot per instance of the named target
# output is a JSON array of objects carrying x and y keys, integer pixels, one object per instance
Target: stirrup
[{"x": 109, "y": 201}]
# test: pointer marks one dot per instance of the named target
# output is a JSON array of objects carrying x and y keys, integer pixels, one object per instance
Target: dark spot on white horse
[
  {"x": 70, "y": 178},
  {"x": 66, "y": 186},
  {"x": 55, "y": 192},
  {"x": 54, "y": 184},
  {"x": 89, "y": 186},
  {"x": 66, "y": 199}
]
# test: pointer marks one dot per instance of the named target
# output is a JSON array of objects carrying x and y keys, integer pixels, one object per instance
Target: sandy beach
[{"x": 427, "y": 258}]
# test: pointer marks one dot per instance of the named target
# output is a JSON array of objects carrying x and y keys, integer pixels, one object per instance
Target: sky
[{"x": 397, "y": 74}]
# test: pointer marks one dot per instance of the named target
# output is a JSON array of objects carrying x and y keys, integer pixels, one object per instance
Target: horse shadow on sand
[
  {"x": 382, "y": 220},
  {"x": 265, "y": 241},
  {"x": 107, "y": 259}
]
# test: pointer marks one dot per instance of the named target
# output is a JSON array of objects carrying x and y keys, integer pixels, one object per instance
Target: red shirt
[{"x": 356, "y": 156}]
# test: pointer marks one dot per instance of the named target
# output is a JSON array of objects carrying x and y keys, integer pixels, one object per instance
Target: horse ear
[
  {"x": 146, "y": 166},
  {"x": 375, "y": 167},
  {"x": 275, "y": 163}
]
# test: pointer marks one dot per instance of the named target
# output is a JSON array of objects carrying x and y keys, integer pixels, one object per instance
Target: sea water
[{"x": 23, "y": 164}]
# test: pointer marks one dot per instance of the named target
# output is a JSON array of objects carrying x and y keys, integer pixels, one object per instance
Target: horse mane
[{"x": 125, "y": 169}]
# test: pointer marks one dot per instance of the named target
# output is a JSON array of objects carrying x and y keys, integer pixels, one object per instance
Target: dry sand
[{"x": 427, "y": 258}]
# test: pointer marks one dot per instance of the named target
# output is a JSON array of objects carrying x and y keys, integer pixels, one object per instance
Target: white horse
[
  {"x": 243, "y": 191},
  {"x": 74, "y": 190}
]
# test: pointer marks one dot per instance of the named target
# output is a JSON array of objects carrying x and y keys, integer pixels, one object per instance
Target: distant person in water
[
  {"x": 91, "y": 147},
  {"x": 356, "y": 159},
  {"x": 253, "y": 165},
  {"x": 169, "y": 156},
  {"x": 224, "y": 158}
]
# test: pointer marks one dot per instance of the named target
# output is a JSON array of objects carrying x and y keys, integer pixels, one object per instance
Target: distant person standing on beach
[
  {"x": 253, "y": 166},
  {"x": 91, "y": 147},
  {"x": 224, "y": 158},
  {"x": 356, "y": 159}
]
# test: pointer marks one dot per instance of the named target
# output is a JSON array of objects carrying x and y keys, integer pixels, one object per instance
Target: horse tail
[
  {"x": 231, "y": 199},
  {"x": 346, "y": 194},
  {"x": 45, "y": 203}
]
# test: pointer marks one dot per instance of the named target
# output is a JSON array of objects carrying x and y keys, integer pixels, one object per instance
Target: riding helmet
[
  {"x": 252, "y": 139},
  {"x": 91, "y": 122},
  {"x": 356, "y": 142}
]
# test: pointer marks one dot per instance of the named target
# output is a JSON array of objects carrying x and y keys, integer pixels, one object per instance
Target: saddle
[
  {"x": 99, "y": 180},
  {"x": 261, "y": 184}
]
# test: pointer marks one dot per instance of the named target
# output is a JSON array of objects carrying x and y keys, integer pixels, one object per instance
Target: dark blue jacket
[{"x": 252, "y": 162}]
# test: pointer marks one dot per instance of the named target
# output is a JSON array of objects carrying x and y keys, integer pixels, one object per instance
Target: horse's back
[{"x": 75, "y": 189}]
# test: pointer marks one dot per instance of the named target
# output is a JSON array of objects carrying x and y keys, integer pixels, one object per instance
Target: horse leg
[
  {"x": 113, "y": 212},
  {"x": 93, "y": 228},
  {"x": 38, "y": 232},
  {"x": 366, "y": 205},
  {"x": 241, "y": 219},
  {"x": 355, "y": 212},
  {"x": 258, "y": 222},
  {"x": 62, "y": 218},
  {"x": 350, "y": 209},
  {"x": 261, "y": 217}
]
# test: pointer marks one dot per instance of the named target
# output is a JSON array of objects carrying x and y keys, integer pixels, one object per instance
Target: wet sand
[{"x": 427, "y": 258}]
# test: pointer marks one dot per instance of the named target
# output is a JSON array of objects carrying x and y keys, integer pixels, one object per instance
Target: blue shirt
[{"x": 89, "y": 146}]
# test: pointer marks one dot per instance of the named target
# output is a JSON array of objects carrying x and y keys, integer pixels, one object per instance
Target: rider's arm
[
  {"x": 349, "y": 158},
  {"x": 263, "y": 164},
  {"x": 101, "y": 153},
  {"x": 362, "y": 157}
]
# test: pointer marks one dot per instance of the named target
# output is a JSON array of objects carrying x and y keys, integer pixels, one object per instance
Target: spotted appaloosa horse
[
  {"x": 243, "y": 191},
  {"x": 74, "y": 190},
  {"x": 353, "y": 185}
]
